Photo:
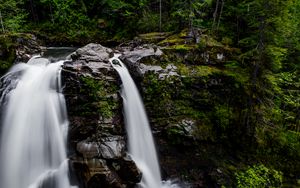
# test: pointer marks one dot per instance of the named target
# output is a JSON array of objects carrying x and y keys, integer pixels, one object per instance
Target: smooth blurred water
[
  {"x": 141, "y": 144},
  {"x": 34, "y": 127}
]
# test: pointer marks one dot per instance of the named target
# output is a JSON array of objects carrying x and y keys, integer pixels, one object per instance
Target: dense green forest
[{"x": 260, "y": 124}]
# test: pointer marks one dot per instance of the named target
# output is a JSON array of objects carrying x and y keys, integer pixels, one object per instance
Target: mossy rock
[
  {"x": 100, "y": 97},
  {"x": 7, "y": 52},
  {"x": 154, "y": 37},
  {"x": 208, "y": 51},
  {"x": 13, "y": 46},
  {"x": 173, "y": 40},
  {"x": 197, "y": 71},
  {"x": 183, "y": 48},
  {"x": 177, "y": 39}
]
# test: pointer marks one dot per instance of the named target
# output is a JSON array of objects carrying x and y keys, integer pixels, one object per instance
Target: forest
[{"x": 247, "y": 118}]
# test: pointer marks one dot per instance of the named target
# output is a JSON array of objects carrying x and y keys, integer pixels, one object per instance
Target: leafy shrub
[{"x": 259, "y": 176}]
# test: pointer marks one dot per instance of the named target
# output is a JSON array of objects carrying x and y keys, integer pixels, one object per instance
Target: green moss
[
  {"x": 239, "y": 75},
  {"x": 7, "y": 48},
  {"x": 197, "y": 71},
  {"x": 172, "y": 40},
  {"x": 209, "y": 41},
  {"x": 154, "y": 36},
  {"x": 149, "y": 35},
  {"x": 205, "y": 129},
  {"x": 206, "y": 70},
  {"x": 181, "y": 48},
  {"x": 176, "y": 134},
  {"x": 183, "y": 69},
  {"x": 223, "y": 116},
  {"x": 183, "y": 33},
  {"x": 100, "y": 97},
  {"x": 227, "y": 41},
  {"x": 5, "y": 65}
]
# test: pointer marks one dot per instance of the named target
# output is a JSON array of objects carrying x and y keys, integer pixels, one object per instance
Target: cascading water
[
  {"x": 34, "y": 127},
  {"x": 141, "y": 144}
]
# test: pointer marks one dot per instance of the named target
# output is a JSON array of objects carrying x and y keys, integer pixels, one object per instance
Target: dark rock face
[
  {"x": 26, "y": 47},
  {"x": 96, "y": 136},
  {"x": 97, "y": 140},
  {"x": 17, "y": 48}
]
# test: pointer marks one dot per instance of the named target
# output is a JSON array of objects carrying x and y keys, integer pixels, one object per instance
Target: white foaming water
[
  {"x": 34, "y": 128},
  {"x": 141, "y": 144}
]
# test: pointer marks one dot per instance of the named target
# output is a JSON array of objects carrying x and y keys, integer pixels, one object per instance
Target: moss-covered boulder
[
  {"x": 17, "y": 47},
  {"x": 97, "y": 138}
]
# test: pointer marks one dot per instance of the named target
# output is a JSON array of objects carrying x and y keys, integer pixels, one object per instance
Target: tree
[
  {"x": 190, "y": 13},
  {"x": 12, "y": 15}
]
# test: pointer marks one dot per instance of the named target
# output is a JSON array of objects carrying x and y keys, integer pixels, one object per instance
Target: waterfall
[
  {"x": 34, "y": 127},
  {"x": 141, "y": 144}
]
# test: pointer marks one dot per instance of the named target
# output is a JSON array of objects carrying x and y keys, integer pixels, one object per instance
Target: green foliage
[
  {"x": 280, "y": 141},
  {"x": 190, "y": 13},
  {"x": 148, "y": 22},
  {"x": 223, "y": 116},
  {"x": 69, "y": 16},
  {"x": 16, "y": 23},
  {"x": 277, "y": 56},
  {"x": 7, "y": 47},
  {"x": 12, "y": 15},
  {"x": 259, "y": 176},
  {"x": 99, "y": 97}
]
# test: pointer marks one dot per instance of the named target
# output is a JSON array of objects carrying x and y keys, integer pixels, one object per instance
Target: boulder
[
  {"x": 97, "y": 148},
  {"x": 141, "y": 60},
  {"x": 27, "y": 45},
  {"x": 108, "y": 147}
]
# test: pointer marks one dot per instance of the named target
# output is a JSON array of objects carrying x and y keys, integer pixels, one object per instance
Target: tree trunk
[
  {"x": 221, "y": 11},
  {"x": 34, "y": 15},
  {"x": 51, "y": 13},
  {"x": 2, "y": 25},
  {"x": 160, "y": 7},
  {"x": 215, "y": 15}
]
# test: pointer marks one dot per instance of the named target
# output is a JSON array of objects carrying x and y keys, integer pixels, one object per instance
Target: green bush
[{"x": 259, "y": 176}]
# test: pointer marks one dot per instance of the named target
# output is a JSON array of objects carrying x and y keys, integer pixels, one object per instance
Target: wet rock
[
  {"x": 152, "y": 37},
  {"x": 112, "y": 147},
  {"x": 128, "y": 171},
  {"x": 91, "y": 60},
  {"x": 134, "y": 57},
  {"x": 17, "y": 48},
  {"x": 94, "y": 173},
  {"x": 183, "y": 131},
  {"x": 105, "y": 180},
  {"x": 108, "y": 148},
  {"x": 140, "y": 59},
  {"x": 79, "y": 173},
  {"x": 93, "y": 53},
  {"x": 88, "y": 150},
  {"x": 27, "y": 45},
  {"x": 96, "y": 132}
]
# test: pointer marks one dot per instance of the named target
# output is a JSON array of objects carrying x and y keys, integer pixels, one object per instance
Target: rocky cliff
[{"x": 175, "y": 101}]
